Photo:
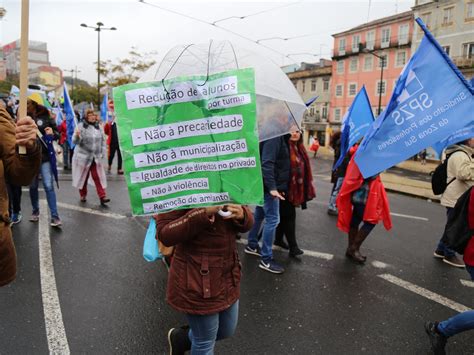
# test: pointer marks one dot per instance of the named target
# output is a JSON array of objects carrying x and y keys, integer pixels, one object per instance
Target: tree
[
  {"x": 126, "y": 70},
  {"x": 85, "y": 93},
  {"x": 6, "y": 85}
]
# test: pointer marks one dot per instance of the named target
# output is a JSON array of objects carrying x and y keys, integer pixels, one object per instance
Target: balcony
[
  {"x": 463, "y": 62},
  {"x": 308, "y": 118}
]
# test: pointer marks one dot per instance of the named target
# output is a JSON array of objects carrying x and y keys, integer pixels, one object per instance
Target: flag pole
[{"x": 23, "y": 63}]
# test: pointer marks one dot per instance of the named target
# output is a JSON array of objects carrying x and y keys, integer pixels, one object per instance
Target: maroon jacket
[{"x": 205, "y": 270}]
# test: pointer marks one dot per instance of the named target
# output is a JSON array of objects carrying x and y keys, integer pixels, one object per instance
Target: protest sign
[
  {"x": 430, "y": 102},
  {"x": 190, "y": 141}
]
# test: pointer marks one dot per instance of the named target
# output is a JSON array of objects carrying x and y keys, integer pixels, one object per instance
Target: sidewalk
[{"x": 400, "y": 184}]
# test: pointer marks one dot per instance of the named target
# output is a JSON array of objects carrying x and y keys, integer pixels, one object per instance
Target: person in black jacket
[
  {"x": 275, "y": 159},
  {"x": 46, "y": 126}
]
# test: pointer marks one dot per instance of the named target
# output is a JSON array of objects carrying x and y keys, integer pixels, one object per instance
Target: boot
[
  {"x": 178, "y": 339},
  {"x": 358, "y": 240},
  {"x": 351, "y": 236}
]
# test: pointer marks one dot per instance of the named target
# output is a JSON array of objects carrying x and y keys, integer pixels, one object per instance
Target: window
[
  {"x": 448, "y": 16},
  {"x": 339, "y": 89},
  {"x": 403, "y": 34},
  {"x": 354, "y": 65},
  {"x": 311, "y": 111},
  {"x": 401, "y": 59},
  {"x": 295, "y": 83},
  {"x": 368, "y": 62},
  {"x": 385, "y": 37},
  {"x": 313, "y": 85},
  {"x": 325, "y": 111},
  {"x": 302, "y": 85},
  {"x": 381, "y": 87},
  {"x": 385, "y": 61},
  {"x": 355, "y": 43},
  {"x": 340, "y": 67},
  {"x": 446, "y": 49},
  {"x": 470, "y": 11},
  {"x": 337, "y": 114},
  {"x": 468, "y": 50},
  {"x": 426, "y": 17},
  {"x": 370, "y": 40},
  {"x": 342, "y": 46},
  {"x": 352, "y": 89},
  {"x": 326, "y": 84}
]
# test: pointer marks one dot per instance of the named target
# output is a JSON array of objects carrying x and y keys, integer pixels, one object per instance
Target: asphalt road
[{"x": 111, "y": 301}]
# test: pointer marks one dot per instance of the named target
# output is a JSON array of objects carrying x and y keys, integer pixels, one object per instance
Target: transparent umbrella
[{"x": 279, "y": 106}]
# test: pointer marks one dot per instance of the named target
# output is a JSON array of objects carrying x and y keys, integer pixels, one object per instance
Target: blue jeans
[
  {"x": 457, "y": 324},
  {"x": 334, "y": 193},
  {"x": 48, "y": 184},
  {"x": 271, "y": 213},
  {"x": 442, "y": 246},
  {"x": 205, "y": 330}
]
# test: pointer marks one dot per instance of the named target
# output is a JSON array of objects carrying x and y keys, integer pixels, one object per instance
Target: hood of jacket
[{"x": 452, "y": 148}]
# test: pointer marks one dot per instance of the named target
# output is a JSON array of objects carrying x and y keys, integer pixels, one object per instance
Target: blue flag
[
  {"x": 70, "y": 117},
  {"x": 356, "y": 123},
  {"x": 458, "y": 136},
  {"x": 59, "y": 115},
  {"x": 430, "y": 102},
  {"x": 104, "y": 108}
]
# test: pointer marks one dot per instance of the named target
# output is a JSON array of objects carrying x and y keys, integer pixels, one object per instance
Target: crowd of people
[{"x": 204, "y": 239}]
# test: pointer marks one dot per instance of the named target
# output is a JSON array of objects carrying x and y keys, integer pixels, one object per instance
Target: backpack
[
  {"x": 439, "y": 177},
  {"x": 457, "y": 230}
]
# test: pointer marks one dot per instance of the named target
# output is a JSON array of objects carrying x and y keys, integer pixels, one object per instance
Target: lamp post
[
  {"x": 382, "y": 65},
  {"x": 98, "y": 28},
  {"x": 74, "y": 78}
]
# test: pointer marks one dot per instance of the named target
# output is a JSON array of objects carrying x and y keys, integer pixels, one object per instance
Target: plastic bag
[{"x": 150, "y": 245}]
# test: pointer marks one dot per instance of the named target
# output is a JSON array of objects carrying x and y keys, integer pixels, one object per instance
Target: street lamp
[
  {"x": 382, "y": 65},
  {"x": 98, "y": 28},
  {"x": 74, "y": 78}
]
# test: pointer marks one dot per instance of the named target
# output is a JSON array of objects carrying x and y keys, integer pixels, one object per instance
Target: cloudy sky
[{"x": 157, "y": 26}]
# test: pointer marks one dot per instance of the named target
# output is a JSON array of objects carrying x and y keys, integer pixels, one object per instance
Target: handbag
[{"x": 151, "y": 252}]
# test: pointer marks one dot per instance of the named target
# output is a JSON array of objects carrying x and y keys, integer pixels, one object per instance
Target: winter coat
[
  {"x": 205, "y": 271},
  {"x": 461, "y": 167},
  {"x": 62, "y": 129},
  {"x": 19, "y": 170},
  {"x": 275, "y": 160},
  {"x": 110, "y": 129},
  {"x": 377, "y": 206},
  {"x": 90, "y": 147},
  {"x": 469, "y": 251}
]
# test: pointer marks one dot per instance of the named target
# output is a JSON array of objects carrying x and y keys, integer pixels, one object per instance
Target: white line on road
[
  {"x": 379, "y": 264},
  {"x": 315, "y": 254},
  {"x": 91, "y": 211},
  {"x": 467, "y": 283},
  {"x": 425, "y": 293},
  {"x": 407, "y": 216},
  {"x": 55, "y": 332}
]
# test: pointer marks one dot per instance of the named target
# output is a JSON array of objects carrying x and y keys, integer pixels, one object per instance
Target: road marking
[
  {"x": 425, "y": 293},
  {"x": 91, "y": 211},
  {"x": 467, "y": 283},
  {"x": 55, "y": 332},
  {"x": 379, "y": 264},
  {"x": 315, "y": 254},
  {"x": 407, "y": 216}
]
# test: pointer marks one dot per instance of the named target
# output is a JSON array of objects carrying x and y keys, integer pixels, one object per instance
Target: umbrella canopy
[
  {"x": 279, "y": 106},
  {"x": 40, "y": 98}
]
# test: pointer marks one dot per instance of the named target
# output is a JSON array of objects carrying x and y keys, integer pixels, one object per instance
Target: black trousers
[
  {"x": 115, "y": 148},
  {"x": 287, "y": 226},
  {"x": 14, "y": 198}
]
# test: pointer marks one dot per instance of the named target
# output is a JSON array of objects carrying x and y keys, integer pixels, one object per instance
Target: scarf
[{"x": 301, "y": 187}]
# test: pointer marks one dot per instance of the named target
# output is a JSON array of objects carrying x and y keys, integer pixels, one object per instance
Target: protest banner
[
  {"x": 431, "y": 101},
  {"x": 355, "y": 124},
  {"x": 190, "y": 141}
]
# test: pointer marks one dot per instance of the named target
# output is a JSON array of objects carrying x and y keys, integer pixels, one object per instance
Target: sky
[{"x": 149, "y": 27}]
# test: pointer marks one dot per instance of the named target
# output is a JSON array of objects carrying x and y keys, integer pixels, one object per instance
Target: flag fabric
[
  {"x": 458, "y": 136},
  {"x": 48, "y": 139},
  {"x": 59, "y": 115},
  {"x": 430, "y": 102},
  {"x": 104, "y": 108},
  {"x": 311, "y": 100},
  {"x": 71, "y": 121},
  {"x": 355, "y": 124},
  {"x": 15, "y": 91},
  {"x": 472, "y": 82}
]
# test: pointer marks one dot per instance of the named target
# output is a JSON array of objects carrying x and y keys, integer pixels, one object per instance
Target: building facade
[
  {"x": 37, "y": 56},
  {"x": 452, "y": 24},
  {"x": 313, "y": 80},
  {"x": 50, "y": 77},
  {"x": 365, "y": 53},
  {"x": 3, "y": 67}
]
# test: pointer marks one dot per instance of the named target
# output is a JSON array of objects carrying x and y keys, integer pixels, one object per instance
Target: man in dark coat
[{"x": 275, "y": 159}]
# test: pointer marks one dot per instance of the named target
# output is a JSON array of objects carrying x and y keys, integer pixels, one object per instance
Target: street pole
[
  {"x": 98, "y": 28},
  {"x": 381, "y": 83}
]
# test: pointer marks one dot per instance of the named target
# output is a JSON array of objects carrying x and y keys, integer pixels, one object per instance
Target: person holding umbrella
[{"x": 89, "y": 150}]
